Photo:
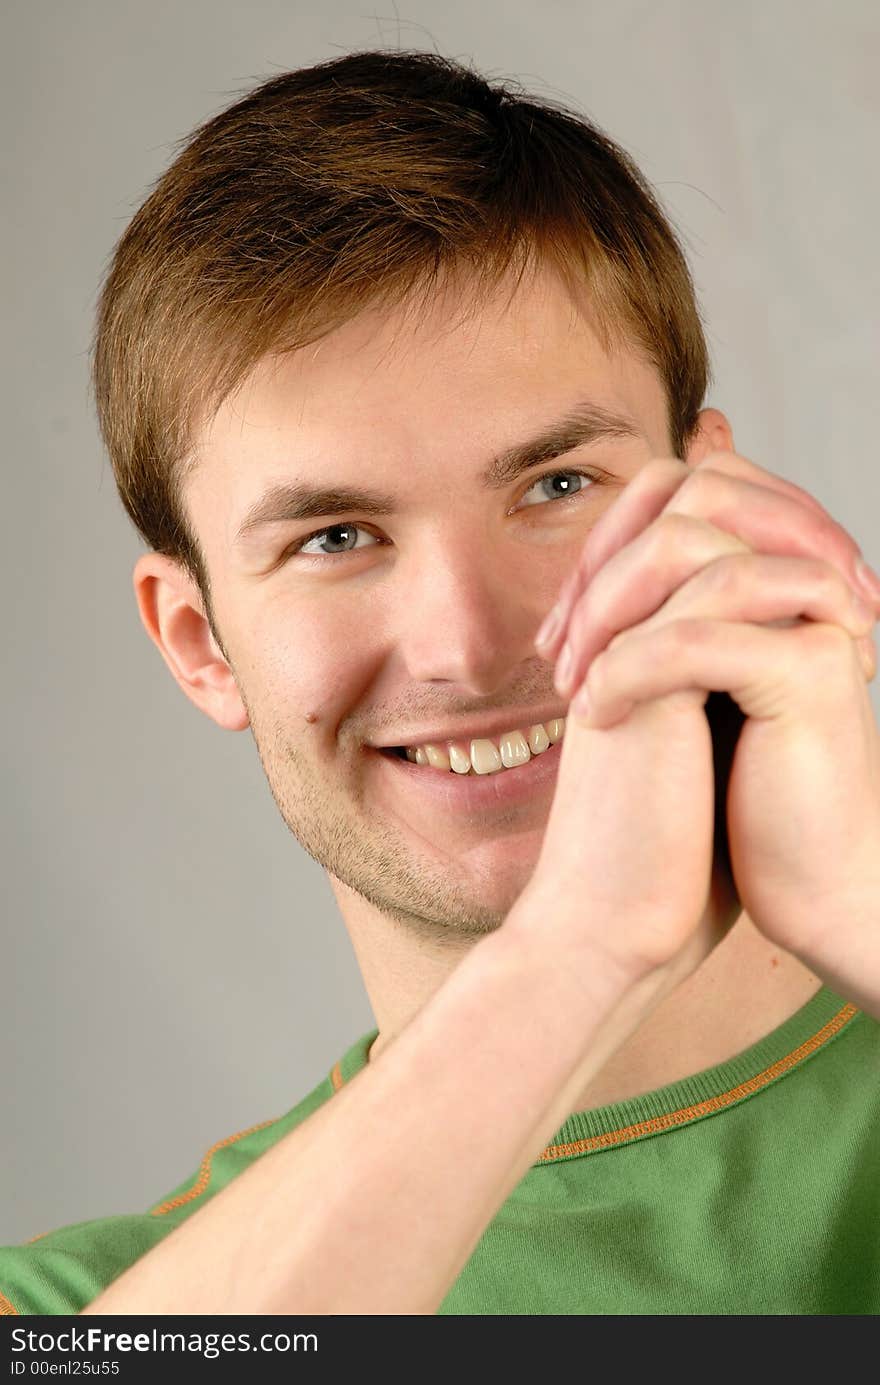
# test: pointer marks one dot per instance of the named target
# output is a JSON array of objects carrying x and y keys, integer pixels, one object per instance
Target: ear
[
  {"x": 173, "y": 615},
  {"x": 714, "y": 434}
]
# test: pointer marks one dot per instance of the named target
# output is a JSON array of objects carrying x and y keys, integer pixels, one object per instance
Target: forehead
[{"x": 440, "y": 384}]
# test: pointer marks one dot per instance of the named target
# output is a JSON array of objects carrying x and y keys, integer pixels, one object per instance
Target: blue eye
[
  {"x": 343, "y": 540},
  {"x": 571, "y": 485},
  {"x": 338, "y": 539}
]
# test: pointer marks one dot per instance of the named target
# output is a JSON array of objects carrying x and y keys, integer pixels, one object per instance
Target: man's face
[{"x": 412, "y": 621}]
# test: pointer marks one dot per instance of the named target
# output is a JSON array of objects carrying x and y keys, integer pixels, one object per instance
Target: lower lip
[{"x": 475, "y": 793}]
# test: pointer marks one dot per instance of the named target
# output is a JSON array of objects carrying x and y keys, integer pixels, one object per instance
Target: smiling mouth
[{"x": 483, "y": 756}]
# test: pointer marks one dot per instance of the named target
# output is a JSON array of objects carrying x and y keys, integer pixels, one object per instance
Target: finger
[
  {"x": 635, "y": 583},
  {"x": 702, "y": 581},
  {"x": 734, "y": 464},
  {"x": 868, "y": 655},
  {"x": 867, "y": 582},
  {"x": 637, "y": 505},
  {"x": 768, "y": 520},
  {"x": 766, "y": 671},
  {"x": 553, "y": 628},
  {"x": 650, "y": 492},
  {"x": 761, "y": 518}
]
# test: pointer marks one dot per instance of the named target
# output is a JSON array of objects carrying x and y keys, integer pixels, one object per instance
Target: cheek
[
  {"x": 552, "y": 557},
  {"x": 559, "y": 532},
  {"x": 318, "y": 669}
]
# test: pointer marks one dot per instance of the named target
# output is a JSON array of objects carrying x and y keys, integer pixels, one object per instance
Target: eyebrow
[{"x": 586, "y": 423}]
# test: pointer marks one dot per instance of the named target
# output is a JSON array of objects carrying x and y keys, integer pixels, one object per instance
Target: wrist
[
  {"x": 577, "y": 951},
  {"x": 584, "y": 936},
  {"x": 844, "y": 952}
]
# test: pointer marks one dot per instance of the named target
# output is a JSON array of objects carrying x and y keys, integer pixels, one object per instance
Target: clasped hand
[{"x": 724, "y": 577}]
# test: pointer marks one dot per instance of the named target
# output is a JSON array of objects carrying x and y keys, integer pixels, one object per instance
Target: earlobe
[{"x": 173, "y": 615}]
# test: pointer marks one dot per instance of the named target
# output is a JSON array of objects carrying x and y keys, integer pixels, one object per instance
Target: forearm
[{"x": 375, "y": 1203}]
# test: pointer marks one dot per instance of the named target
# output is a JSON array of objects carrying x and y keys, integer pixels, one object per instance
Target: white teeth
[
  {"x": 538, "y": 739},
  {"x": 437, "y": 757},
  {"x": 484, "y": 757},
  {"x": 459, "y": 760},
  {"x": 514, "y": 749}
]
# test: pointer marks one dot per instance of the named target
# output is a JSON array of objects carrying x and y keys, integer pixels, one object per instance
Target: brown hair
[{"x": 348, "y": 185}]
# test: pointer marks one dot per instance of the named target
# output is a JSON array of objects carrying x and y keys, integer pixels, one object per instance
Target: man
[{"x": 620, "y": 1061}]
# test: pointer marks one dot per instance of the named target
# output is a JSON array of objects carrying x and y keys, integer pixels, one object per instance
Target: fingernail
[
  {"x": 869, "y": 579},
  {"x": 563, "y": 668},
  {"x": 550, "y": 627}
]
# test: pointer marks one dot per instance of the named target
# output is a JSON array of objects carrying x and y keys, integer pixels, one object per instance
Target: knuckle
[
  {"x": 724, "y": 577},
  {"x": 826, "y": 577},
  {"x": 670, "y": 532},
  {"x": 661, "y": 469},
  {"x": 728, "y": 461},
  {"x": 705, "y": 487}
]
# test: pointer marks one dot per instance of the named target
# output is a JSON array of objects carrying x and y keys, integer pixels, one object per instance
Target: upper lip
[{"x": 474, "y": 729}]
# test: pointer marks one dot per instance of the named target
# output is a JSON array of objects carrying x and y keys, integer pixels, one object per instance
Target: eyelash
[{"x": 300, "y": 543}]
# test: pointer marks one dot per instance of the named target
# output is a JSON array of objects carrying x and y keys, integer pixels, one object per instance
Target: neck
[{"x": 745, "y": 988}]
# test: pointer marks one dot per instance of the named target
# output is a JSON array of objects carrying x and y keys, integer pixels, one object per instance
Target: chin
[{"x": 498, "y": 871}]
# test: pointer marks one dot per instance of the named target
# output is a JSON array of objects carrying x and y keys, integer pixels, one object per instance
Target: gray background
[{"x": 173, "y": 967}]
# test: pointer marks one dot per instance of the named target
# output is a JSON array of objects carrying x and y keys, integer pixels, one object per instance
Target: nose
[{"x": 468, "y": 615}]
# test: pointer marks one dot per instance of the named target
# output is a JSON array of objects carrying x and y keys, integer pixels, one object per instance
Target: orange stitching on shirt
[
  {"x": 201, "y": 1182},
  {"x": 7, "y": 1310},
  {"x": 204, "y": 1176},
  {"x": 701, "y": 1108},
  {"x": 715, "y": 1103}
]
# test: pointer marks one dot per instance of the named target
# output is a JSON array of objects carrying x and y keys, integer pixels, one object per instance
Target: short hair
[{"x": 349, "y": 185}]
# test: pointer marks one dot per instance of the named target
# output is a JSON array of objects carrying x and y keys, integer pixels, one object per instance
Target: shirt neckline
[{"x": 706, "y": 1093}]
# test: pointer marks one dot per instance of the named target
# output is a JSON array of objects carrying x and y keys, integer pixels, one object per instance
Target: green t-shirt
[{"x": 752, "y": 1187}]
